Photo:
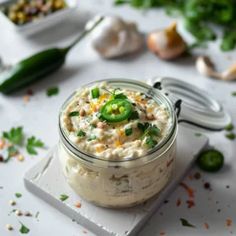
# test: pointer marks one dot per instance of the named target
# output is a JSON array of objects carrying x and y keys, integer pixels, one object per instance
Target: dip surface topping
[{"x": 115, "y": 123}]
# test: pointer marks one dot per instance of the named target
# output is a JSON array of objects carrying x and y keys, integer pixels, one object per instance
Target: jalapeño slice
[{"x": 116, "y": 110}]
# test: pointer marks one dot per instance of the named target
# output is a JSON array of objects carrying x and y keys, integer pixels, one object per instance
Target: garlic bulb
[
  {"x": 115, "y": 37},
  {"x": 206, "y": 67},
  {"x": 167, "y": 43}
]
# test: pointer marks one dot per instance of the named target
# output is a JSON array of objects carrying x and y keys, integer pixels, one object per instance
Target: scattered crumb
[
  {"x": 166, "y": 201},
  {"x": 218, "y": 210},
  {"x": 162, "y": 233},
  {"x": 9, "y": 227},
  {"x": 190, "y": 177},
  {"x": 26, "y": 98},
  {"x": 207, "y": 186},
  {"x": 227, "y": 186},
  {"x": 178, "y": 202},
  {"x": 12, "y": 202},
  {"x": 228, "y": 222},
  {"x": 85, "y": 232},
  {"x": 188, "y": 189},
  {"x": 18, "y": 213},
  {"x": 30, "y": 92},
  {"x": 20, "y": 157},
  {"x": 78, "y": 205},
  {"x": 2, "y": 143},
  {"x": 197, "y": 175},
  {"x": 27, "y": 213},
  {"x": 206, "y": 226}
]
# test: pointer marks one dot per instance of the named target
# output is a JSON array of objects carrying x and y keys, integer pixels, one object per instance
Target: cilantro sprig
[
  {"x": 15, "y": 135},
  {"x": 23, "y": 229},
  {"x": 32, "y": 144}
]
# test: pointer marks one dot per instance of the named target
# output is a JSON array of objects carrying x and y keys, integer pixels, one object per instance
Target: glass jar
[{"x": 120, "y": 183}]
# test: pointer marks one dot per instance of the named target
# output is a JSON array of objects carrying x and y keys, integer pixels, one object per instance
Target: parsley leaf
[
  {"x": 63, "y": 197},
  {"x": 81, "y": 133},
  {"x": 134, "y": 115},
  {"x": 128, "y": 132},
  {"x": 230, "y": 136},
  {"x": 184, "y": 222},
  {"x": 24, "y": 229},
  {"x": 229, "y": 127},
  {"x": 119, "y": 96},
  {"x": 15, "y": 135},
  {"x": 52, "y": 91},
  {"x": 18, "y": 195},
  {"x": 33, "y": 143},
  {"x": 233, "y": 94},
  {"x": 151, "y": 143}
]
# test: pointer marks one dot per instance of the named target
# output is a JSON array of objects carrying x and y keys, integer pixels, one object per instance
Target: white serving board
[{"x": 47, "y": 182}]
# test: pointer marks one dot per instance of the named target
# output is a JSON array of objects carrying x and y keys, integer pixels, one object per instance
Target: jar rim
[{"x": 151, "y": 91}]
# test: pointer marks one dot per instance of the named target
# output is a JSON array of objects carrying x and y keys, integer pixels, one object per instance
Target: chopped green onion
[
  {"x": 230, "y": 136},
  {"x": 128, "y": 132},
  {"x": 74, "y": 113},
  {"x": 151, "y": 143},
  {"x": 95, "y": 93},
  {"x": 81, "y": 133},
  {"x": 134, "y": 115}
]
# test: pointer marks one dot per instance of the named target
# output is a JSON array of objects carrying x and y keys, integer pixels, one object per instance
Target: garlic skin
[
  {"x": 206, "y": 67},
  {"x": 167, "y": 44},
  {"x": 115, "y": 37}
]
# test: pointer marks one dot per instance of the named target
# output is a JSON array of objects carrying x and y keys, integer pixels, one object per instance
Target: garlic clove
[
  {"x": 205, "y": 67},
  {"x": 115, "y": 37},
  {"x": 230, "y": 73},
  {"x": 167, "y": 44}
]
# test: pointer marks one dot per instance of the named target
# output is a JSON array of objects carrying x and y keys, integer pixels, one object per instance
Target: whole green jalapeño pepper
[
  {"x": 116, "y": 110},
  {"x": 37, "y": 66}
]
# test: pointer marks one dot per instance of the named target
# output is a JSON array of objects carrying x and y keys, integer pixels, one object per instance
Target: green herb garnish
[
  {"x": 143, "y": 126},
  {"x": 95, "y": 93},
  {"x": 151, "y": 143},
  {"x": 12, "y": 151},
  {"x": 184, "y": 222},
  {"x": 23, "y": 229},
  {"x": 229, "y": 127},
  {"x": 233, "y": 94},
  {"x": 15, "y": 135},
  {"x": 81, "y": 133},
  {"x": 63, "y": 197},
  {"x": 119, "y": 96},
  {"x": 18, "y": 195},
  {"x": 128, "y": 131},
  {"x": 73, "y": 113},
  {"x": 92, "y": 137},
  {"x": 230, "y": 136},
  {"x": 198, "y": 134},
  {"x": 52, "y": 91},
  {"x": 134, "y": 115},
  {"x": 32, "y": 144}
]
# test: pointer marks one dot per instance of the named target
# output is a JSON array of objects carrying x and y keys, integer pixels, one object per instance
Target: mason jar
[{"x": 120, "y": 183}]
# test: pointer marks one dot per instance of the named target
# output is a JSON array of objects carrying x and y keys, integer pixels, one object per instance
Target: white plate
[{"x": 40, "y": 24}]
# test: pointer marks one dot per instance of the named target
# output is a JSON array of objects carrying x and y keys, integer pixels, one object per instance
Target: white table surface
[{"x": 39, "y": 118}]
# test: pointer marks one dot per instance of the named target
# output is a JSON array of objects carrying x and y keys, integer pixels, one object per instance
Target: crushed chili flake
[
  {"x": 228, "y": 222},
  {"x": 30, "y": 92},
  {"x": 188, "y": 189},
  {"x": 190, "y": 203},
  {"x": 78, "y": 205},
  {"x": 1, "y": 158},
  {"x": 207, "y": 186},
  {"x": 162, "y": 233},
  {"x": 227, "y": 186},
  {"x": 166, "y": 201},
  {"x": 197, "y": 175},
  {"x": 178, "y": 202},
  {"x": 206, "y": 226}
]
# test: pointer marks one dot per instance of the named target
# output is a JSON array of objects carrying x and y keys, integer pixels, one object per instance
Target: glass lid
[{"x": 197, "y": 107}]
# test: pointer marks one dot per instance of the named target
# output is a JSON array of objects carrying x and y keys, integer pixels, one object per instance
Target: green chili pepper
[
  {"x": 95, "y": 93},
  {"x": 210, "y": 160},
  {"x": 116, "y": 110},
  {"x": 37, "y": 66}
]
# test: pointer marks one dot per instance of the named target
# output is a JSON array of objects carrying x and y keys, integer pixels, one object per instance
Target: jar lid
[{"x": 197, "y": 107}]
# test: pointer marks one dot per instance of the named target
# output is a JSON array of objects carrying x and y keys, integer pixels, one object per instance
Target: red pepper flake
[
  {"x": 1, "y": 158},
  {"x": 228, "y": 222},
  {"x": 206, "y": 226},
  {"x": 162, "y": 233},
  {"x": 178, "y": 202},
  {"x": 190, "y": 177},
  {"x": 30, "y": 92},
  {"x": 197, "y": 175},
  {"x": 207, "y": 186},
  {"x": 188, "y": 189},
  {"x": 169, "y": 162},
  {"x": 78, "y": 205},
  {"x": 190, "y": 203}
]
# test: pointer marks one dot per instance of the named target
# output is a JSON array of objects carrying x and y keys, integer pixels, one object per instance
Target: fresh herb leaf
[
  {"x": 229, "y": 127},
  {"x": 151, "y": 143},
  {"x": 32, "y": 144},
  {"x": 74, "y": 113},
  {"x": 23, "y": 229},
  {"x": 52, "y": 91},
  {"x": 153, "y": 130},
  {"x": 143, "y": 126},
  {"x": 95, "y": 93},
  {"x": 81, "y": 133},
  {"x": 198, "y": 134},
  {"x": 134, "y": 115},
  {"x": 63, "y": 197},
  {"x": 184, "y": 222},
  {"x": 128, "y": 131},
  {"x": 233, "y": 94},
  {"x": 18, "y": 195},
  {"x": 15, "y": 135},
  {"x": 230, "y": 136},
  {"x": 92, "y": 137}
]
